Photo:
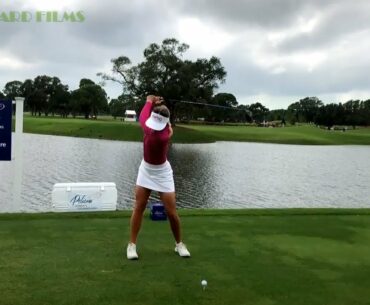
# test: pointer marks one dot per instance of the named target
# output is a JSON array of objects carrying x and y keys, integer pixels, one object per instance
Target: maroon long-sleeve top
[{"x": 155, "y": 142}]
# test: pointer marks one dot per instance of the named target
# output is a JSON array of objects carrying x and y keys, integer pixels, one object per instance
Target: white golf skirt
[{"x": 156, "y": 177}]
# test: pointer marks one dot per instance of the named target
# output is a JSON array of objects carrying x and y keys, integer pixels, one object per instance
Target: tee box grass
[{"x": 263, "y": 257}]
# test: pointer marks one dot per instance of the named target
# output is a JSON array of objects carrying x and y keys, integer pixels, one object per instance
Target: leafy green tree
[
  {"x": 224, "y": 101},
  {"x": 276, "y": 115},
  {"x": 74, "y": 103},
  {"x": 13, "y": 89},
  {"x": 45, "y": 94},
  {"x": 86, "y": 82},
  {"x": 353, "y": 109},
  {"x": 366, "y": 112},
  {"x": 40, "y": 96},
  {"x": 27, "y": 89},
  {"x": 60, "y": 101},
  {"x": 244, "y": 113},
  {"x": 305, "y": 110},
  {"x": 327, "y": 115},
  {"x": 166, "y": 73},
  {"x": 58, "y": 96},
  {"x": 89, "y": 99},
  {"x": 259, "y": 112},
  {"x": 117, "y": 108}
]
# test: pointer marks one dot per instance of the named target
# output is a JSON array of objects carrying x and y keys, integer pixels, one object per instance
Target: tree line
[
  {"x": 49, "y": 96},
  {"x": 312, "y": 110},
  {"x": 188, "y": 86}
]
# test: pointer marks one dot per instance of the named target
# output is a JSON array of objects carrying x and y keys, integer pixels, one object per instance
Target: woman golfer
[{"x": 155, "y": 173}]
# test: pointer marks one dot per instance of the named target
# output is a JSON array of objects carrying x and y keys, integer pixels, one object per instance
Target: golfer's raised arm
[{"x": 147, "y": 109}]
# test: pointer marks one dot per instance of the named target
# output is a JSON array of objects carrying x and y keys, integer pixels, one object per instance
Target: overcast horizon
[{"x": 274, "y": 52}]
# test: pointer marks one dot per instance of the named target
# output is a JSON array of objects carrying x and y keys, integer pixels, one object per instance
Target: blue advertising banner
[{"x": 5, "y": 130}]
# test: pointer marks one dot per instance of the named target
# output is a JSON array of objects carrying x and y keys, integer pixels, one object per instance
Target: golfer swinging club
[{"x": 155, "y": 173}]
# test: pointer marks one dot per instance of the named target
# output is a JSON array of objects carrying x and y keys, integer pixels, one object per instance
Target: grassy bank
[
  {"x": 117, "y": 130},
  {"x": 247, "y": 256},
  {"x": 288, "y": 135},
  {"x": 104, "y": 129}
]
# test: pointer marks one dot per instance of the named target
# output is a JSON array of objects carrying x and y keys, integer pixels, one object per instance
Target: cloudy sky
[{"x": 274, "y": 51}]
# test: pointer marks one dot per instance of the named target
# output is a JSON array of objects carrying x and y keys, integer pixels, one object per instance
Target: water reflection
[{"x": 218, "y": 175}]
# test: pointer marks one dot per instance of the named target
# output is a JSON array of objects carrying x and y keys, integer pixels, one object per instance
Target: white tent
[{"x": 130, "y": 116}]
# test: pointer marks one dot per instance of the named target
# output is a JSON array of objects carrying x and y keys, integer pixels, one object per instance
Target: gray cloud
[
  {"x": 121, "y": 24},
  {"x": 338, "y": 22},
  {"x": 247, "y": 78},
  {"x": 269, "y": 14},
  {"x": 112, "y": 28}
]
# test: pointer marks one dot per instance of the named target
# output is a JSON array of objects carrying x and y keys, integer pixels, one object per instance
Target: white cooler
[{"x": 77, "y": 197}]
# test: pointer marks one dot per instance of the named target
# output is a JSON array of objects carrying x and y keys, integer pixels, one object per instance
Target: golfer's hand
[
  {"x": 151, "y": 98},
  {"x": 158, "y": 100}
]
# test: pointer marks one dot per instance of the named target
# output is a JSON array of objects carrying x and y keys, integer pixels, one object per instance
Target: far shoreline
[{"x": 109, "y": 129}]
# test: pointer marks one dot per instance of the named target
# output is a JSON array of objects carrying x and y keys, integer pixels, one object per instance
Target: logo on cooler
[{"x": 80, "y": 200}]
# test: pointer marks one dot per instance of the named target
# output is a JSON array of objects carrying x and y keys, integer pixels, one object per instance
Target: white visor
[{"x": 157, "y": 121}]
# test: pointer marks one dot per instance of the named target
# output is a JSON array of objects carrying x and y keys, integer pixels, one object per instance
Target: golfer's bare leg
[
  {"x": 169, "y": 202},
  {"x": 141, "y": 199}
]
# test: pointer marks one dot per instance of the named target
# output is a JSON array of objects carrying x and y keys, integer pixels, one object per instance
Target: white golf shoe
[
  {"x": 131, "y": 251},
  {"x": 182, "y": 250}
]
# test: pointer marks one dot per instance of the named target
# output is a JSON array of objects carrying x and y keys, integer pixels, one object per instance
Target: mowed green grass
[
  {"x": 117, "y": 130},
  {"x": 113, "y": 130},
  {"x": 289, "y": 135},
  {"x": 104, "y": 129},
  {"x": 264, "y": 257}
]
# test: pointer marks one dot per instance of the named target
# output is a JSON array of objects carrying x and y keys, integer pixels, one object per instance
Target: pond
[{"x": 218, "y": 175}]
